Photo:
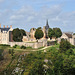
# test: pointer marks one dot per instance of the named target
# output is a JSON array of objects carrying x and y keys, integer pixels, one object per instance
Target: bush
[
  {"x": 56, "y": 42},
  {"x": 72, "y": 46},
  {"x": 69, "y": 52},
  {"x": 11, "y": 51},
  {"x": 14, "y": 46},
  {"x": 4, "y": 45},
  {"x": 23, "y": 47}
]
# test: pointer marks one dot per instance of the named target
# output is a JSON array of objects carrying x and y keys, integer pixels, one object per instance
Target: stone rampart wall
[{"x": 33, "y": 45}]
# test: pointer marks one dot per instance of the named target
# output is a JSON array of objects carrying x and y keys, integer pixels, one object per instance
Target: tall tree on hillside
[
  {"x": 18, "y": 34},
  {"x": 64, "y": 45},
  {"x": 58, "y": 32},
  {"x": 39, "y": 33},
  {"x": 51, "y": 33}
]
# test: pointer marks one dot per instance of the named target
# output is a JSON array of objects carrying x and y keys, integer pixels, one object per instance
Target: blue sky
[{"x": 26, "y": 14}]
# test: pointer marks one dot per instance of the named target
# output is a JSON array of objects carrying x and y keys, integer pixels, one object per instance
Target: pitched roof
[
  {"x": 4, "y": 29},
  {"x": 69, "y": 35}
]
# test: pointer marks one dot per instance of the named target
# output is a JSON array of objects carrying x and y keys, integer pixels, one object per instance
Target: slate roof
[
  {"x": 69, "y": 35},
  {"x": 4, "y": 29}
]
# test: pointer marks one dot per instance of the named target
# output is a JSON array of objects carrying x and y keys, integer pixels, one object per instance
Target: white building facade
[{"x": 5, "y": 34}]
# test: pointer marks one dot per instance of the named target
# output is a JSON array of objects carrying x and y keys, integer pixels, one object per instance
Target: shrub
[
  {"x": 23, "y": 47},
  {"x": 4, "y": 45},
  {"x": 14, "y": 46},
  {"x": 69, "y": 52},
  {"x": 72, "y": 46},
  {"x": 11, "y": 51}
]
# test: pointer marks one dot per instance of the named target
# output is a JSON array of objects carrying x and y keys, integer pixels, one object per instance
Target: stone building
[
  {"x": 5, "y": 34},
  {"x": 69, "y": 37}
]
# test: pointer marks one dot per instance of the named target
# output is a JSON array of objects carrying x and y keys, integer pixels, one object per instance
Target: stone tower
[
  {"x": 45, "y": 30},
  {"x": 32, "y": 33}
]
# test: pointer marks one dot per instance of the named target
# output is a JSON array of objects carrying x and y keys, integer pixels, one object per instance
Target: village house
[{"x": 69, "y": 37}]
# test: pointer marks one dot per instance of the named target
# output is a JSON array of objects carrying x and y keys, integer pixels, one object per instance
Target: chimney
[
  {"x": 10, "y": 26},
  {"x": 7, "y": 26},
  {"x": 0, "y": 25},
  {"x": 4, "y": 26}
]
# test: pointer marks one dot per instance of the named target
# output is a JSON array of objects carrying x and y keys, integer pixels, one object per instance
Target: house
[
  {"x": 6, "y": 34},
  {"x": 69, "y": 37}
]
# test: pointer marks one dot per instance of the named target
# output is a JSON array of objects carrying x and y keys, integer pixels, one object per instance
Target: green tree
[
  {"x": 51, "y": 33},
  {"x": 39, "y": 33},
  {"x": 58, "y": 32},
  {"x": 74, "y": 34},
  {"x": 23, "y": 33},
  {"x": 18, "y": 34},
  {"x": 64, "y": 45}
]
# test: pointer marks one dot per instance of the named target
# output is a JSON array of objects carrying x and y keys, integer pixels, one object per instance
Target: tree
[
  {"x": 58, "y": 32},
  {"x": 51, "y": 33},
  {"x": 39, "y": 33},
  {"x": 64, "y": 45},
  {"x": 74, "y": 34},
  {"x": 23, "y": 33},
  {"x": 18, "y": 34}
]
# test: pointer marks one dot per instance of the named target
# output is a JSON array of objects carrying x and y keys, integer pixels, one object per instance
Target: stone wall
[
  {"x": 20, "y": 44},
  {"x": 38, "y": 45},
  {"x": 33, "y": 45}
]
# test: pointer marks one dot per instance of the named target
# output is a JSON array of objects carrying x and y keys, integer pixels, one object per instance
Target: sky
[{"x": 26, "y": 14}]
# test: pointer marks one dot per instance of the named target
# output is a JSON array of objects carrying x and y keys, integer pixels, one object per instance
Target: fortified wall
[{"x": 33, "y": 45}]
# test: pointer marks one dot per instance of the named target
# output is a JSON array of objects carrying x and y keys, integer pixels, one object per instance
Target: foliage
[
  {"x": 18, "y": 34},
  {"x": 59, "y": 63},
  {"x": 23, "y": 47},
  {"x": 16, "y": 46},
  {"x": 51, "y": 33},
  {"x": 4, "y": 45},
  {"x": 39, "y": 33},
  {"x": 23, "y": 33},
  {"x": 55, "y": 32},
  {"x": 58, "y": 32},
  {"x": 64, "y": 45},
  {"x": 74, "y": 34},
  {"x": 11, "y": 51},
  {"x": 37, "y": 68}
]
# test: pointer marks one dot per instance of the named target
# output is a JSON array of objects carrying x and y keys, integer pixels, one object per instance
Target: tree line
[{"x": 19, "y": 33}]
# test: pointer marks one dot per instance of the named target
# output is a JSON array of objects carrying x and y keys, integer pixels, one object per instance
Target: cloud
[{"x": 28, "y": 16}]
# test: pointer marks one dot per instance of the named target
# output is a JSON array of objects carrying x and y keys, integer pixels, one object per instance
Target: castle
[
  {"x": 29, "y": 40},
  {"x": 30, "y": 36},
  {"x": 6, "y": 34}
]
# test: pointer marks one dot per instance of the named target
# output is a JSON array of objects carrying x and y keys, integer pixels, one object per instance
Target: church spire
[{"x": 47, "y": 23}]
